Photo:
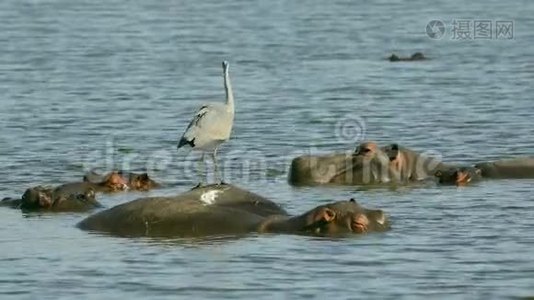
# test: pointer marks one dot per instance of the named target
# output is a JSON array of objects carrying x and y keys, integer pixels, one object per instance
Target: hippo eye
[{"x": 366, "y": 150}]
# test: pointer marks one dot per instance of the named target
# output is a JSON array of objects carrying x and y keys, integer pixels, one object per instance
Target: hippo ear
[
  {"x": 144, "y": 176},
  {"x": 392, "y": 151},
  {"x": 108, "y": 176},
  {"x": 353, "y": 200},
  {"x": 438, "y": 173},
  {"x": 478, "y": 171}
]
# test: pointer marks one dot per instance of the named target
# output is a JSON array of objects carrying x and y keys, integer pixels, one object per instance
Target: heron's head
[{"x": 225, "y": 66}]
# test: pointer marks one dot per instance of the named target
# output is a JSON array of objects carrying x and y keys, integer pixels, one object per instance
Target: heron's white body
[{"x": 212, "y": 124}]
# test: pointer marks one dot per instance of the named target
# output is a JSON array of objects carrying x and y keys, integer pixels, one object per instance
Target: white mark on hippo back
[{"x": 209, "y": 198}]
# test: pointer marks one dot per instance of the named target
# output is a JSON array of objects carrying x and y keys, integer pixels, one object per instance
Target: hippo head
[
  {"x": 86, "y": 198},
  {"x": 344, "y": 217},
  {"x": 37, "y": 197},
  {"x": 417, "y": 56},
  {"x": 115, "y": 182},
  {"x": 371, "y": 151},
  {"x": 141, "y": 182},
  {"x": 372, "y": 160},
  {"x": 79, "y": 201},
  {"x": 394, "y": 57},
  {"x": 459, "y": 176}
]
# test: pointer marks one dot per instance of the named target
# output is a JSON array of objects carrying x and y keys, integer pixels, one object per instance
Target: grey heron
[{"x": 212, "y": 125}]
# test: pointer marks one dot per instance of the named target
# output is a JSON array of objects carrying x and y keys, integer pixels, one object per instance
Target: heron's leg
[
  {"x": 200, "y": 169},
  {"x": 215, "y": 166}
]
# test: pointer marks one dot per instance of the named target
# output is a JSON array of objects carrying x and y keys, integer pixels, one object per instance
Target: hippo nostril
[
  {"x": 359, "y": 227},
  {"x": 359, "y": 223}
]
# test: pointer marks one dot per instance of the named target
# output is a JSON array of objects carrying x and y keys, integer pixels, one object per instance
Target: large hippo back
[{"x": 216, "y": 209}]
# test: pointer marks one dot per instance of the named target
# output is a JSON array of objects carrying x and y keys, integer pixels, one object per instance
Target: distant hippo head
[
  {"x": 79, "y": 201},
  {"x": 344, "y": 217},
  {"x": 373, "y": 161},
  {"x": 115, "y": 182},
  {"x": 417, "y": 56},
  {"x": 141, "y": 182},
  {"x": 37, "y": 197},
  {"x": 394, "y": 57},
  {"x": 413, "y": 57},
  {"x": 459, "y": 176},
  {"x": 315, "y": 169}
]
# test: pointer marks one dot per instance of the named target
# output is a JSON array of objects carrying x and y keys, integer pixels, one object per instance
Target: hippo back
[
  {"x": 318, "y": 169},
  {"x": 216, "y": 209}
]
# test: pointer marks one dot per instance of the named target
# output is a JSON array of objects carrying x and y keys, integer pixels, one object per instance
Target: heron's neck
[{"x": 229, "y": 92}]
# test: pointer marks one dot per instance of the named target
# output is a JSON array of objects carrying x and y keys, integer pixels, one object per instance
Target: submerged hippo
[
  {"x": 35, "y": 198},
  {"x": 517, "y": 168},
  {"x": 74, "y": 196},
  {"x": 415, "y": 57},
  {"x": 226, "y": 209},
  {"x": 135, "y": 181},
  {"x": 113, "y": 182},
  {"x": 368, "y": 164},
  {"x": 47, "y": 199}
]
